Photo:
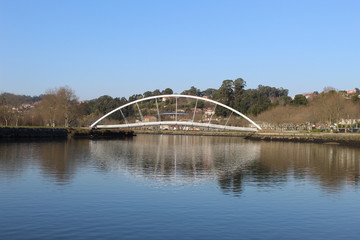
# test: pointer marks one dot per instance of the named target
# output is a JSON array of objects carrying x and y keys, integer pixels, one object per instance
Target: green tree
[
  {"x": 299, "y": 99},
  {"x": 192, "y": 91},
  {"x": 148, "y": 94},
  {"x": 284, "y": 100},
  {"x": 257, "y": 101},
  {"x": 156, "y": 92},
  {"x": 239, "y": 85},
  {"x": 167, "y": 91},
  {"x": 225, "y": 95},
  {"x": 210, "y": 93},
  {"x": 135, "y": 97}
]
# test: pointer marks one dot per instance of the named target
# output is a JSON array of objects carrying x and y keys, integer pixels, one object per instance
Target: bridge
[{"x": 162, "y": 119}]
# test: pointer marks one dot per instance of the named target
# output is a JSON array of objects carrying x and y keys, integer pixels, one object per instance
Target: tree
[
  {"x": 67, "y": 102},
  {"x": 59, "y": 107},
  {"x": 259, "y": 102},
  {"x": 6, "y": 114},
  {"x": 210, "y": 93},
  {"x": 225, "y": 95},
  {"x": 192, "y": 91},
  {"x": 299, "y": 100},
  {"x": 329, "y": 107},
  {"x": 48, "y": 109},
  {"x": 148, "y": 94},
  {"x": 255, "y": 101},
  {"x": 239, "y": 85},
  {"x": 156, "y": 92},
  {"x": 135, "y": 97},
  {"x": 284, "y": 100},
  {"x": 167, "y": 91}
]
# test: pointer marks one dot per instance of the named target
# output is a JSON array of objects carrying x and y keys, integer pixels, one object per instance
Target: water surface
[{"x": 178, "y": 187}]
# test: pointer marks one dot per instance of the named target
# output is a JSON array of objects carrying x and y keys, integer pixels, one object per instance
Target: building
[{"x": 353, "y": 92}]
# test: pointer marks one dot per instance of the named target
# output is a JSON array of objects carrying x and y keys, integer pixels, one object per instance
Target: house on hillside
[
  {"x": 310, "y": 96},
  {"x": 353, "y": 92}
]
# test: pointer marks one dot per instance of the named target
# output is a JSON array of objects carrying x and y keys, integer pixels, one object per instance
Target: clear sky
[{"x": 120, "y": 48}]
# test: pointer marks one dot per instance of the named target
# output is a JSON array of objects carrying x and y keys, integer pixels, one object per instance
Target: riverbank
[
  {"x": 348, "y": 139},
  {"x": 60, "y": 133},
  {"x": 100, "y": 133},
  {"x": 352, "y": 139}
]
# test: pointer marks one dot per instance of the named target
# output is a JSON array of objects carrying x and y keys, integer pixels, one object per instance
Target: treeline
[
  {"x": 61, "y": 106},
  {"x": 248, "y": 101},
  {"x": 233, "y": 93},
  {"x": 57, "y": 107},
  {"x": 14, "y": 100},
  {"x": 328, "y": 110}
]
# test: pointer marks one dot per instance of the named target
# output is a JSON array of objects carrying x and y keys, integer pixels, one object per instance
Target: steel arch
[{"x": 175, "y": 122}]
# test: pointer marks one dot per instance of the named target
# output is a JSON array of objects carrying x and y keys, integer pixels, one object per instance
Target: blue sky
[{"x": 120, "y": 48}]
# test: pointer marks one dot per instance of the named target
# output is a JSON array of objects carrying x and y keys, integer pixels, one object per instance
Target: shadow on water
[{"x": 233, "y": 163}]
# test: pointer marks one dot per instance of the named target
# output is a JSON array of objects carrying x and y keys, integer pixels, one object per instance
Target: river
[{"x": 178, "y": 187}]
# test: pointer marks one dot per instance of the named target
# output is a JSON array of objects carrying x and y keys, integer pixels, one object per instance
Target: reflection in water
[
  {"x": 56, "y": 160},
  {"x": 331, "y": 166},
  {"x": 179, "y": 160},
  {"x": 232, "y": 161}
]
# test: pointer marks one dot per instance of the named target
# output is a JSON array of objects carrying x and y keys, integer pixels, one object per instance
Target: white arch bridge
[{"x": 176, "y": 121}]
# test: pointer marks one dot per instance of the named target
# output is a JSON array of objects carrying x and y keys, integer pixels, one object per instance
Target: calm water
[{"x": 178, "y": 187}]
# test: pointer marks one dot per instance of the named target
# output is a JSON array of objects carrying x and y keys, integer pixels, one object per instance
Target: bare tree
[
  {"x": 329, "y": 107},
  {"x": 58, "y": 107},
  {"x": 67, "y": 102},
  {"x": 6, "y": 115},
  {"x": 48, "y": 109}
]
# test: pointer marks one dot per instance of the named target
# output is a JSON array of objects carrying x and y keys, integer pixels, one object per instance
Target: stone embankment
[{"x": 60, "y": 133}]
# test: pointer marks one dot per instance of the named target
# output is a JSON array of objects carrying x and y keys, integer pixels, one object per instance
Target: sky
[{"x": 120, "y": 48}]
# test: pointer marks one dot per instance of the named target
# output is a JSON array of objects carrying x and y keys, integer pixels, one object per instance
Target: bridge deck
[{"x": 177, "y": 123}]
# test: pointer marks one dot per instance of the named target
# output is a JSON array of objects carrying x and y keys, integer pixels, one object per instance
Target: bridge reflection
[
  {"x": 176, "y": 160},
  {"x": 233, "y": 162}
]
